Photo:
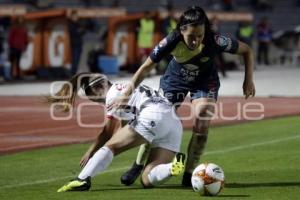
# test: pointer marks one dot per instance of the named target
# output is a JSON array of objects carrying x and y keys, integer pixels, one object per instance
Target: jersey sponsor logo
[{"x": 189, "y": 75}]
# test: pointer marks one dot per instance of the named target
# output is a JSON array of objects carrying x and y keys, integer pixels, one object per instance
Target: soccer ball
[{"x": 208, "y": 179}]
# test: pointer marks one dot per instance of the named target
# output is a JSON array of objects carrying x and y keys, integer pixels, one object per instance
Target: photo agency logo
[
  {"x": 225, "y": 111},
  {"x": 91, "y": 92}
]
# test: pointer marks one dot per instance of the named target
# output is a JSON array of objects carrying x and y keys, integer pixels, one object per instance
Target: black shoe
[
  {"x": 132, "y": 174},
  {"x": 186, "y": 179}
]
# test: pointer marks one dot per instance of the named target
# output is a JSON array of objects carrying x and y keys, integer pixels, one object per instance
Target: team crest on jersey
[
  {"x": 221, "y": 40},
  {"x": 120, "y": 86},
  {"x": 163, "y": 43}
]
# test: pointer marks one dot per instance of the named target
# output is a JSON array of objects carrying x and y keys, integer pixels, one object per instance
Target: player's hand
[
  {"x": 85, "y": 158},
  {"x": 248, "y": 88},
  {"x": 119, "y": 103}
]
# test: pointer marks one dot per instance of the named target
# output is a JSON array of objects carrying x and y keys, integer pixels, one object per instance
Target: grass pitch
[{"x": 260, "y": 159}]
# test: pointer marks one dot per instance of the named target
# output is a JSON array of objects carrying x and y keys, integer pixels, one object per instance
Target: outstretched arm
[
  {"x": 142, "y": 72},
  {"x": 138, "y": 77},
  {"x": 247, "y": 53}
]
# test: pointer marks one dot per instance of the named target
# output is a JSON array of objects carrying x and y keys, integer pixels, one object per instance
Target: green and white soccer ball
[{"x": 208, "y": 179}]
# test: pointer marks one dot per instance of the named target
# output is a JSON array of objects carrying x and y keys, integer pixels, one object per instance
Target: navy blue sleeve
[
  {"x": 226, "y": 44},
  {"x": 164, "y": 47}
]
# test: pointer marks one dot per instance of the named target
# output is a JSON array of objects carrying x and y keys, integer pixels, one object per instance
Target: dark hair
[
  {"x": 89, "y": 82},
  {"x": 194, "y": 16}
]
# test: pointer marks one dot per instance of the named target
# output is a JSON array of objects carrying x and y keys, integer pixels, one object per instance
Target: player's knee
[
  {"x": 204, "y": 112},
  {"x": 145, "y": 177},
  {"x": 113, "y": 148},
  {"x": 145, "y": 180}
]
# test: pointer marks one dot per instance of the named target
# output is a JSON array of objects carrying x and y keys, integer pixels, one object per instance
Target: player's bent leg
[
  {"x": 157, "y": 157},
  {"x": 129, "y": 177},
  {"x": 122, "y": 140},
  {"x": 160, "y": 167},
  {"x": 204, "y": 109},
  {"x": 126, "y": 138},
  {"x": 195, "y": 150}
]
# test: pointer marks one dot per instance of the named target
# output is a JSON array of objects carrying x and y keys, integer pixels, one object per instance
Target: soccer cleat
[
  {"x": 76, "y": 185},
  {"x": 129, "y": 177},
  {"x": 178, "y": 164},
  {"x": 187, "y": 179}
]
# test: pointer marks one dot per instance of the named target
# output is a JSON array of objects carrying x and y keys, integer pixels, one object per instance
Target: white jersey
[
  {"x": 141, "y": 96},
  {"x": 150, "y": 114}
]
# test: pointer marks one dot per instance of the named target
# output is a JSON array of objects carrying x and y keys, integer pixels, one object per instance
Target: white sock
[
  {"x": 160, "y": 173},
  {"x": 98, "y": 163}
]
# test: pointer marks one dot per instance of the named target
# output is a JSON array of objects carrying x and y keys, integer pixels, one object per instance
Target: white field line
[
  {"x": 33, "y": 118},
  {"x": 45, "y": 142},
  {"x": 252, "y": 145},
  {"x": 42, "y": 130},
  {"x": 123, "y": 168}
]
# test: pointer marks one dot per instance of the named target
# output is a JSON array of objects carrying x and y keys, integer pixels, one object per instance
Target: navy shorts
[{"x": 208, "y": 90}]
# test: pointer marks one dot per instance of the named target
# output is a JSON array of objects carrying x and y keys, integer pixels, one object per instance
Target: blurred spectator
[
  {"x": 287, "y": 43},
  {"x": 145, "y": 36},
  {"x": 215, "y": 24},
  {"x": 215, "y": 4},
  {"x": 17, "y": 40},
  {"x": 170, "y": 22},
  {"x": 168, "y": 25},
  {"x": 96, "y": 52},
  {"x": 245, "y": 32},
  {"x": 264, "y": 39},
  {"x": 5, "y": 69},
  {"x": 2, "y": 39},
  {"x": 76, "y": 32}
]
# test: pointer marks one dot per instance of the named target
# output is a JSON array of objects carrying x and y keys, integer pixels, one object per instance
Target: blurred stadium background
[{"x": 109, "y": 31}]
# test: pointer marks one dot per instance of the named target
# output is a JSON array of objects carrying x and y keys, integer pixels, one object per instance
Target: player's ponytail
[{"x": 89, "y": 82}]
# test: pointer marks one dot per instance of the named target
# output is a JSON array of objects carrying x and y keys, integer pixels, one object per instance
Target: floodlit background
[{"x": 44, "y": 41}]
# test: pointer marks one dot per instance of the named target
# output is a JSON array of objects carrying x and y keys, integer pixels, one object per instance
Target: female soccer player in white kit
[{"x": 152, "y": 120}]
